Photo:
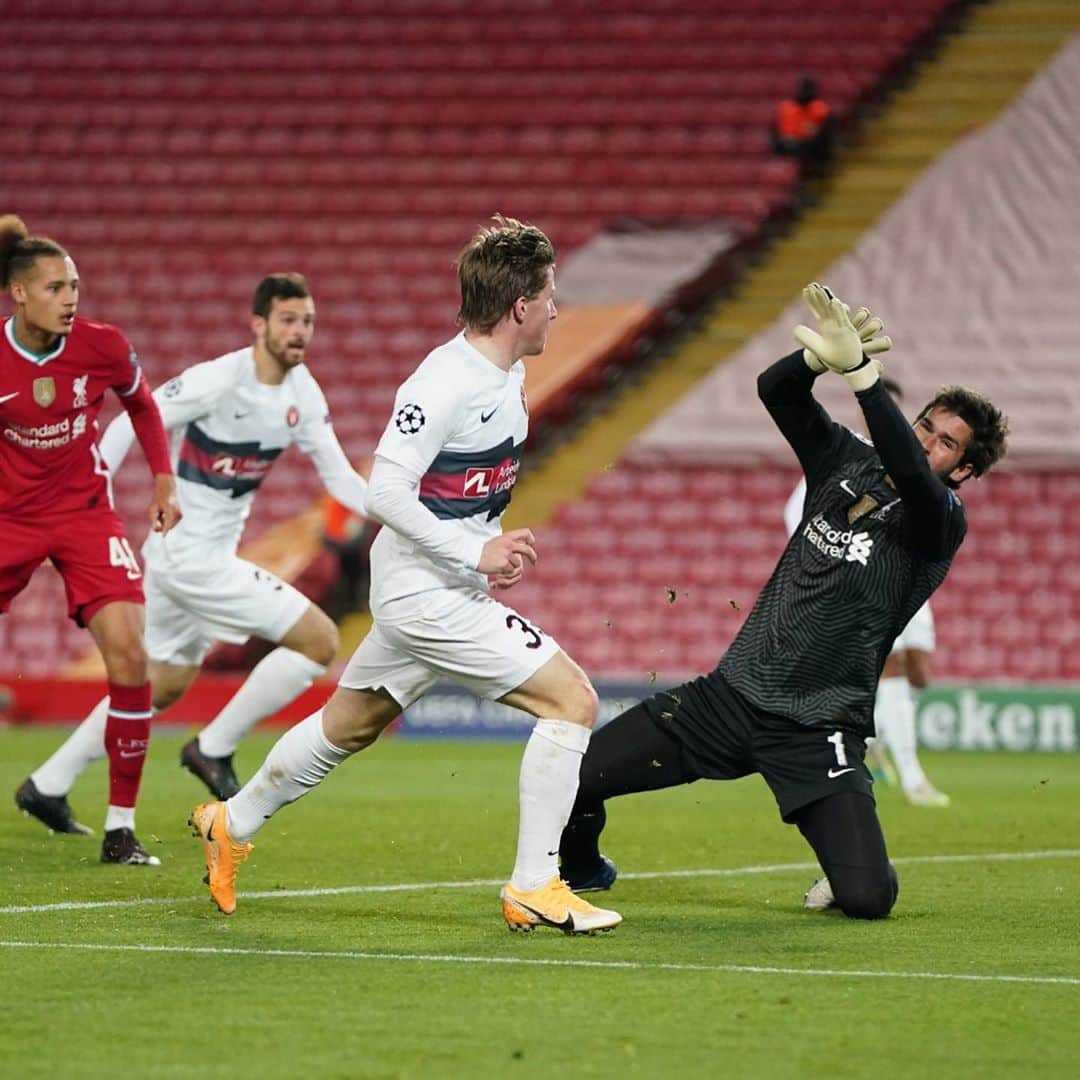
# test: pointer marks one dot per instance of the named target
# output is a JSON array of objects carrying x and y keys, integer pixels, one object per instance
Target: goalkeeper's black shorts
[{"x": 722, "y": 737}]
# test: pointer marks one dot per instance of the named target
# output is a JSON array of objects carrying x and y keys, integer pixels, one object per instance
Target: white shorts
[
  {"x": 478, "y": 643},
  {"x": 188, "y": 608}
]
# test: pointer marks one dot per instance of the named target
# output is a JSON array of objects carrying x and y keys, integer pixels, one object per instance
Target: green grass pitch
[{"x": 716, "y": 971}]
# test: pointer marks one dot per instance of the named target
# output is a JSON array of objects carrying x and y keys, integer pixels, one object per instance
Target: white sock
[
  {"x": 894, "y": 717},
  {"x": 297, "y": 762},
  {"x": 120, "y": 817},
  {"x": 83, "y": 746},
  {"x": 547, "y": 787},
  {"x": 276, "y": 679}
]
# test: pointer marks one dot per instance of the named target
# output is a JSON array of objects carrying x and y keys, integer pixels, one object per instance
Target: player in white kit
[
  {"x": 229, "y": 418},
  {"x": 442, "y": 477},
  {"x": 907, "y": 667}
]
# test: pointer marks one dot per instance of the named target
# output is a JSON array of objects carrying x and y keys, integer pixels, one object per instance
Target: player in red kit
[{"x": 56, "y": 502}]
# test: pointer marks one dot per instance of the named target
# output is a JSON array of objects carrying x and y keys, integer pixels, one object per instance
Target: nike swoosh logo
[
  {"x": 132, "y": 754},
  {"x": 566, "y": 924},
  {"x": 484, "y": 419},
  {"x": 239, "y": 415},
  {"x": 8, "y": 397},
  {"x": 834, "y": 773},
  {"x": 844, "y": 485}
]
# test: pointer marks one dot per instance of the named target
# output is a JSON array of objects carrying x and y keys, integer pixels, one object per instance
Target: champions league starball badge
[{"x": 409, "y": 419}]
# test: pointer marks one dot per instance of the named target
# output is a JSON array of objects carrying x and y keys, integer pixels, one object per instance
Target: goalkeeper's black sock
[{"x": 580, "y": 848}]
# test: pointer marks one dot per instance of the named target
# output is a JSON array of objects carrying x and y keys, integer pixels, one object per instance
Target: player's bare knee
[
  {"x": 126, "y": 661},
  {"x": 354, "y": 720},
  {"x": 323, "y": 646},
  {"x": 164, "y": 696},
  {"x": 314, "y": 636},
  {"x": 582, "y": 703},
  {"x": 330, "y": 645}
]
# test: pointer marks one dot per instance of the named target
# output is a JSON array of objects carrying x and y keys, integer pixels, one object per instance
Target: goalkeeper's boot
[
  {"x": 598, "y": 878},
  {"x": 820, "y": 897},
  {"x": 215, "y": 772},
  {"x": 881, "y": 768},
  {"x": 223, "y": 854},
  {"x": 122, "y": 846},
  {"x": 925, "y": 794},
  {"x": 554, "y": 905},
  {"x": 52, "y": 811}
]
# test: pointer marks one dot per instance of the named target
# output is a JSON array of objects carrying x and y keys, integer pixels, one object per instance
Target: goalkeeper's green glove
[{"x": 844, "y": 343}]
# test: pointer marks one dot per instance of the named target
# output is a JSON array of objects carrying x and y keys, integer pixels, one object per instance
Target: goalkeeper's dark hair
[
  {"x": 989, "y": 426},
  {"x": 19, "y": 250},
  {"x": 499, "y": 265},
  {"x": 278, "y": 287}
]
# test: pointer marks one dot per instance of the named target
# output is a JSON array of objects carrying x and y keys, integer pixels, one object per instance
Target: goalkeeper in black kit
[{"x": 793, "y": 697}]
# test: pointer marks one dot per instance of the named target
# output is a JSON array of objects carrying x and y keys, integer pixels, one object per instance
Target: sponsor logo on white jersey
[{"x": 480, "y": 483}]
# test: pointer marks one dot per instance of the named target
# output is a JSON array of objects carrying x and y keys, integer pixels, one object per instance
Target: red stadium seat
[{"x": 360, "y": 143}]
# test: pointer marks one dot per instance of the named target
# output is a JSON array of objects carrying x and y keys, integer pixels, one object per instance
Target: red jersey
[{"x": 49, "y": 460}]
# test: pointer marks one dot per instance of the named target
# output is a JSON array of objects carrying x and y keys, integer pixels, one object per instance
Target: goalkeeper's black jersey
[{"x": 866, "y": 555}]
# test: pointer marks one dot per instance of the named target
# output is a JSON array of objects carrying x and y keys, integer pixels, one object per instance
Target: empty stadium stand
[
  {"x": 660, "y": 593},
  {"x": 181, "y": 153}
]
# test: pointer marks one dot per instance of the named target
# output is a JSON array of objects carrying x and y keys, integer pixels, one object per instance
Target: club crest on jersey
[
  {"x": 78, "y": 390},
  {"x": 409, "y": 419},
  {"x": 292, "y": 417},
  {"x": 45, "y": 391}
]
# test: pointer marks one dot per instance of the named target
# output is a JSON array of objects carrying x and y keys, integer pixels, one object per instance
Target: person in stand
[{"x": 803, "y": 128}]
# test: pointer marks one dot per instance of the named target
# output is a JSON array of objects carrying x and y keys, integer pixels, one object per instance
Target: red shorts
[{"x": 89, "y": 549}]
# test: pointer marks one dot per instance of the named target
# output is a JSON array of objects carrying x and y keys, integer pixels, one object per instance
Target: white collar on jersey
[{"x": 35, "y": 358}]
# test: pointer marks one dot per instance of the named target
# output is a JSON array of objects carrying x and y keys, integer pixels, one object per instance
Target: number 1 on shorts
[{"x": 837, "y": 739}]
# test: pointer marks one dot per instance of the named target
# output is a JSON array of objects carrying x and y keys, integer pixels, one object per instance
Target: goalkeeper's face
[{"x": 945, "y": 438}]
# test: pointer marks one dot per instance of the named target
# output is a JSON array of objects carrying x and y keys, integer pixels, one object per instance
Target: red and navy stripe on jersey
[
  {"x": 462, "y": 485},
  {"x": 238, "y": 467}
]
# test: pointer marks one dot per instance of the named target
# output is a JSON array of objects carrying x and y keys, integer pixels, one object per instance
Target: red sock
[{"x": 127, "y": 734}]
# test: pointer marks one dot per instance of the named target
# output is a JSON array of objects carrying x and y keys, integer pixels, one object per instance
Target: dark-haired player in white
[{"x": 230, "y": 419}]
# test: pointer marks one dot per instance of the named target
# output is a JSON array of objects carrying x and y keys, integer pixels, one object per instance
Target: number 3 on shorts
[
  {"x": 531, "y": 631},
  {"x": 120, "y": 554}
]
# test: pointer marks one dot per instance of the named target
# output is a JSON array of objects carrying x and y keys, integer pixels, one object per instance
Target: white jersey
[
  {"x": 227, "y": 430},
  {"x": 458, "y": 428},
  {"x": 919, "y": 632}
]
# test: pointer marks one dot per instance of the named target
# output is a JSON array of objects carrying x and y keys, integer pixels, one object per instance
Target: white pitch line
[
  {"x": 423, "y": 886},
  {"x": 618, "y": 965}
]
